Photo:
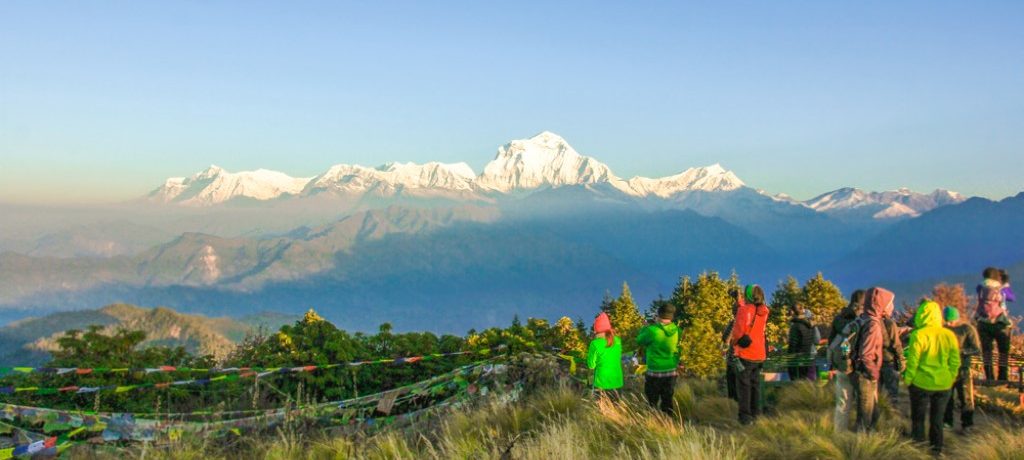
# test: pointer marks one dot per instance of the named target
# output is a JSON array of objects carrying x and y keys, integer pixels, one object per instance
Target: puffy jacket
[
  {"x": 933, "y": 354},
  {"x": 845, "y": 316},
  {"x": 801, "y": 336},
  {"x": 970, "y": 345},
  {"x": 661, "y": 346},
  {"x": 867, "y": 355},
  {"x": 606, "y": 362},
  {"x": 750, "y": 320}
]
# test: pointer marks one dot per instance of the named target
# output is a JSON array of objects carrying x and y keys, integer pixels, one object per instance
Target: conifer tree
[
  {"x": 705, "y": 312},
  {"x": 786, "y": 294},
  {"x": 568, "y": 336},
  {"x": 624, "y": 315},
  {"x": 822, "y": 298}
]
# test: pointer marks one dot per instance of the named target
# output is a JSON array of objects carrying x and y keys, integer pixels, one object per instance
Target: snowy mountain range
[{"x": 544, "y": 161}]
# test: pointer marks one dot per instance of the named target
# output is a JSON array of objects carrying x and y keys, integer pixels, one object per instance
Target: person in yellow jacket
[{"x": 933, "y": 363}]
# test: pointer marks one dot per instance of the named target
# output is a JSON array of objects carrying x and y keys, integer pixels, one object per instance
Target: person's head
[
  {"x": 797, "y": 310},
  {"x": 754, "y": 294},
  {"x": 1004, "y": 277},
  {"x": 950, "y": 315},
  {"x": 992, "y": 273},
  {"x": 878, "y": 301},
  {"x": 857, "y": 300},
  {"x": 666, "y": 312}
]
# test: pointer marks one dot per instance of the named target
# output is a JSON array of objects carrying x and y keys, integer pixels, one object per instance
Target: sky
[{"x": 101, "y": 101}]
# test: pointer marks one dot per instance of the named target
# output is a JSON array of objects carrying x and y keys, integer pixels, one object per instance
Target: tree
[
  {"x": 952, "y": 295},
  {"x": 786, "y": 294},
  {"x": 624, "y": 315},
  {"x": 567, "y": 337},
  {"x": 705, "y": 312},
  {"x": 822, "y": 298}
]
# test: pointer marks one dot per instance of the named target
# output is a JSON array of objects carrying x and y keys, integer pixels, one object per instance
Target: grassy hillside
[{"x": 27, "y": 342}]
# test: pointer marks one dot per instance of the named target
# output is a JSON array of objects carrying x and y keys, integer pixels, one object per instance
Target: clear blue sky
[{"x": 101, "y": 101}]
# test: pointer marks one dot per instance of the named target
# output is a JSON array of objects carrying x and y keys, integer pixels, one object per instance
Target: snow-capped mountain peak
[
  {"x": 542, "y": 160},
  {"x": 215, "y": 185},
  {"x": 712, "y": 178},
  {"x": 393, "y": 176},
  {"x": 898, "y": 203}
]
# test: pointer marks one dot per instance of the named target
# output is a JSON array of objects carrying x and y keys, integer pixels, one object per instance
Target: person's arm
[
  {"x": 913, "y": 355},
  {"x": 742, "y": 323},
  {"x": 871, "y": 348},
  {"x": 644, "y": 338},
  {"x": 972, "y": 344},
  {"x": 592, "y": 352},
  {"x": 953, "y": 362}
]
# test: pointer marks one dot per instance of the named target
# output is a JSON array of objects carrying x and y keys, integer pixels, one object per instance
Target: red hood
[{"x": 877, "y": 302}]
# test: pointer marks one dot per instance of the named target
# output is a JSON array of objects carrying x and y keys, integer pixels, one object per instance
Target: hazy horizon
[{"x": 102, "y": 103}]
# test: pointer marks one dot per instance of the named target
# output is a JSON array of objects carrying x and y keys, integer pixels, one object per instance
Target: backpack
[
  {"x": 840, "y": 350},
  {"x": 990, "y": 303}
]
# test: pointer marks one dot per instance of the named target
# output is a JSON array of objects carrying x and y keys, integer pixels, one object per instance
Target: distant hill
[{"x": 28, "y": 341}]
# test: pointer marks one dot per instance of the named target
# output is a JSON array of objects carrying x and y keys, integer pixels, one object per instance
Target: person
[
  {"x": 892, "y": 356},
  {"x": 866, "y": 358},
  {"x": 963, "y": 386},
  {"x": 843, "y": 385},
  {"x": 749, "y": 349},
  {"x": 801, "y": 342},
  {"x": 604, "y": 356},
  {"x": 993, "y": 322},
  {"x": 730, "y": 368},
  {"x": 933, "y": 362},
  {"x": 661, "y": 344},
  {"x": 1008, "y": 295}
]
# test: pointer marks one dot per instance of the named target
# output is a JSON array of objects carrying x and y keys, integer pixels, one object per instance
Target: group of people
[{"x": 865, "y": 352}]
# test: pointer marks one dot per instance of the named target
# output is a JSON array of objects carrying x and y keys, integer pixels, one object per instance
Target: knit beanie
[
  {"x": 602, "y": 323},
  {"x": 950, "y": 314}
]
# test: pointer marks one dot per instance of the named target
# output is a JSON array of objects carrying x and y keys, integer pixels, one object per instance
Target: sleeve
[
  {"x": 1008, "y": 294},
  {"x": 913, "y": 355},
  {"x": 871, "y": 349},
  {"x": 742, "y": 323},
  {"x": 896, "y": 346},
  {"x": 972, "y": 344},
  {"x": 644, "y": 337},
  {"x": 592, "y": 352}
]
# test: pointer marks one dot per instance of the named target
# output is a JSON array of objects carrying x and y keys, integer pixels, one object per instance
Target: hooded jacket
[
  {"x": 970, "y": 345},
  {"x": 661, "y": 346},
  {"x": 606, "y": 361},
  {"x": 933, "y": 354},
  {"x": 801, "y": 336},
  {"x": 750, "y": 320},
  {"x": 867, "y": 357}
]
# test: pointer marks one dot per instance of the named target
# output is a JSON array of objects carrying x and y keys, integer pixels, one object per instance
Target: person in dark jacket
[
  {"x": 750, "y": 350},
  {"x": 963, "y": 386},
  {"x": 844, "y": 387},
  {"x": 993, "y": 322},
  {"x": 867, "y": 356},
  {"x": 892, "y": 357},
  {"x": 801, "y": 343}
]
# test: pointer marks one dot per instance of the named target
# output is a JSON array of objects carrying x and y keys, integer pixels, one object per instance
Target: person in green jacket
[
  {"x": 963, "y": 388},
  {"x": 933, "y": 362},
  {"x": 661, "y": 344},
  {"x": 604, "y": 356}
]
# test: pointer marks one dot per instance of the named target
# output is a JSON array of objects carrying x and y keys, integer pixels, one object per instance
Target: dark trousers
[
  {"x": 989, "y": 332},
  {"x": 930, "y": 405},
  {"x": 748, "y": 391},
  {"x": 962, "y": 393},
  {"x": 890, "y": 380},
  {"x": 799, "y": 373},
  {"x": 659, "y": 392},
  {"x": 867, "y": 401},
  {"x": 730, "y": 382}
]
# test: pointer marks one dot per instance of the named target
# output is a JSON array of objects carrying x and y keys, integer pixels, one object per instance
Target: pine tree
[
  {"x": 568, "y": 336},
  {"x": 701, "y": 349},
  {"x": 706, "y": 310},
  {"x": 624, "y": 315},
  {"x": 822, "y": 298},
  {"x": 786, "y": 294}
]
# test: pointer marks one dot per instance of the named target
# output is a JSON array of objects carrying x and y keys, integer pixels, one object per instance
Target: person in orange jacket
[{"x": 749, "y": 349}]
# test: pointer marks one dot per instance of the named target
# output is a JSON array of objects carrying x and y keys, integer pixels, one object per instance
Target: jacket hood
[
  {"x": 928, "y": 315},
  {"x": 877, "y": 301}
]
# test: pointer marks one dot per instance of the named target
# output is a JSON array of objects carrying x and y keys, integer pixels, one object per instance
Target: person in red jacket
[
  {"x": 749, "y": 349},
  {"x": 867, "y": 356}
]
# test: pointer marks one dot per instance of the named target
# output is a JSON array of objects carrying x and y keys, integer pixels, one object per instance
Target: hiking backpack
[
  {"x": 990, "y": 303},
  {"x": 840, "y": 350}
]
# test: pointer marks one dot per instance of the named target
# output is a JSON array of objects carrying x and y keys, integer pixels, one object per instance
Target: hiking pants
[
  {"x": 963, "y": 393},
  {"x": 844, "y": 398},
  {"x": 890, "y": 381},
  {"x": 931, "y": 406},
  {"x": 867, "y": 402},
  {"x": 659, "y": 392},
  {"x": 989, "y": 332},
  {"x": 730, "y": 382},
  {"x": 748, "y": 390}
]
